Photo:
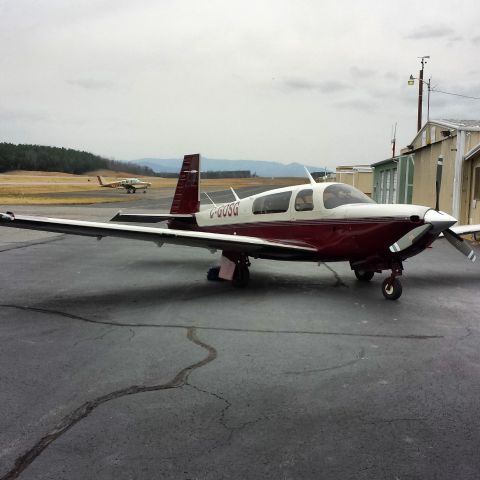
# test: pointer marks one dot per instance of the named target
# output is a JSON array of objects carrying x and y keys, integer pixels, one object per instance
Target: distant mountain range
[{"x": 260, "y": 168}]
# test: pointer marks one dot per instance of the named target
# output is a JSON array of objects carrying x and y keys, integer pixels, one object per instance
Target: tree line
[{"x": 66, "y": 160}]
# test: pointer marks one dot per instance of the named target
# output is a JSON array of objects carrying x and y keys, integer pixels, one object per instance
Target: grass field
[{"x": 33, "y": 188}]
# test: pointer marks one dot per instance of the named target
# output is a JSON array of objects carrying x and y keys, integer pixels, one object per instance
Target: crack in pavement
[
  {"x": 338, "y": 281},
  {"x": 33, "y": 243},
  {"x": 220, "y": 329},
  {"x": 97, "y": 337},
  {"x": 180, "y": 379},
  {"x": 222, "y": 420},
  {"x": 360, "y": 356}
]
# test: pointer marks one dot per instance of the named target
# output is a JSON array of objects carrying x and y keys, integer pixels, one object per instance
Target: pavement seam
[
  {"x": 221, "y": 329},
  {"x": 67, "y": 422}
]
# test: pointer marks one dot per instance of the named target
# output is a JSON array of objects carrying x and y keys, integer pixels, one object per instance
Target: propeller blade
[
  {"x": 460, "y": 244},
  {"x": 410, "y": 238},
  {"x": 438, "y": 182}
]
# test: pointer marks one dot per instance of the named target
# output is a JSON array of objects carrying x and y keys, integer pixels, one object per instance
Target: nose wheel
[{"x": 392, "y": 288}]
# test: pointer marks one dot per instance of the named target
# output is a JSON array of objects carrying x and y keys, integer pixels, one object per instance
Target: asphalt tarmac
[{"x": 120, "y": 360}]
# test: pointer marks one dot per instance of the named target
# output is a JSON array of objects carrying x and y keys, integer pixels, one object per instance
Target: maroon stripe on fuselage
[{"x": 345, "y": 239}]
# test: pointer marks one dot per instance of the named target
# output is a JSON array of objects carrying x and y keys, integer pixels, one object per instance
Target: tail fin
[
  {"x": 187, "y": 194},
  {"x": 100, "y": 180}
]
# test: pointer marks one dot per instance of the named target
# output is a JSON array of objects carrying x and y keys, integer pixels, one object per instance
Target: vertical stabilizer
[{"x": 187, "y": 194}]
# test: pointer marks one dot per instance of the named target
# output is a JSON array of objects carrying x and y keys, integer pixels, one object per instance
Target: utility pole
[{"x": 420, "y": 92}]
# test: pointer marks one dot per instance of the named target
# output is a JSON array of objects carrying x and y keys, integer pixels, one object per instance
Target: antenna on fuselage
[
  {"x": 312, "y": 180},
  {"x": 237, "y": 198},
  {"x": 208, "y": 196}
]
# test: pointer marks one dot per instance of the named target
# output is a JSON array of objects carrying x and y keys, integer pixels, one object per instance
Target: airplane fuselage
[{"x": 349, "y": 231}]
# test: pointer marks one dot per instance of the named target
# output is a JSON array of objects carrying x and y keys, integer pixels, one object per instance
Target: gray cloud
[
  {"x": 476, "y": 40},
  {"x": 91, "y": 83},
  {"x": 430, "y": 31},
  {"x": 358, "y": 72},
  {"x": 15, "y": 115},
  {"x": 328, "y": 86},
  {"x": 355, "y": 104}
]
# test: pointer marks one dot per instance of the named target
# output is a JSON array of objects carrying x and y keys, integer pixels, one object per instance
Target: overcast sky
[{"x": 317, "y": 82}]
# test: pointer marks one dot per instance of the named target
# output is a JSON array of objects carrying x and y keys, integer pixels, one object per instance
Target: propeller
[
  {"x": 460, "y": 244},
  {"x": 410, "y": 238},
  {"x": 436, "y": 222},
  {"x": 454, "y": 239}
]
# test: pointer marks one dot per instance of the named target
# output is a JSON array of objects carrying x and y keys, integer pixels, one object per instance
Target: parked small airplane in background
[
  {"x": 130, "y": 184},
  {"x": 320, "y": 222}
]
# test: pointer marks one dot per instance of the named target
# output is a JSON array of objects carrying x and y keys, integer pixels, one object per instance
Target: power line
[{"x": 455, "y": 94}]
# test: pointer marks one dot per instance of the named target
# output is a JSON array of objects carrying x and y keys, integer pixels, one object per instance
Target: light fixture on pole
[
  {"x": 420, "y": 90},
  {"x": 411, "y": 81}
]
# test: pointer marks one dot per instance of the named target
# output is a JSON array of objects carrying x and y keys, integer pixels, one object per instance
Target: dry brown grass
[
  {"x": 20, "y": 187},
  {"x": 29, "y": 200}
]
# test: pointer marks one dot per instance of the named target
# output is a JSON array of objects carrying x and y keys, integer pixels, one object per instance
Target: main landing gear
[
  {"x": 391, "y": 286},
  {"x": 363, "y": 275},
  {"x": 234, "y": 268}
]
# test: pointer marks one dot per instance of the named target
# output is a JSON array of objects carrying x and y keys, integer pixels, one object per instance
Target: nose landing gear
[{"x": 391, "y": 288}]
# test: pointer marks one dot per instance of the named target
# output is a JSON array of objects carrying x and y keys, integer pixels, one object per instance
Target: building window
[
  {"x": 476, "y": 184},
  {"x": 382, "y": 186},
  {"x": 304, "y": 200},
  {"x": 275, "y": 203},
  {"x": 394, "y": 189},
  {"x": 387, "y": 186}
]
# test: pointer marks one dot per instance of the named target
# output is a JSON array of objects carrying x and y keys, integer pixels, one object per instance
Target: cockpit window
[
  {"x": 341, "y": 194},
  {"x": 304, "y": 200},
  {"x": 275, "y": 203}
]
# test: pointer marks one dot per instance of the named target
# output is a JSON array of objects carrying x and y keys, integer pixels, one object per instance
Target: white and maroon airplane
[{"x": 319, "y": 222}]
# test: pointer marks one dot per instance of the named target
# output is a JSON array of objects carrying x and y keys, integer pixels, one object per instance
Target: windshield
[{"x": 341, "y": 194}]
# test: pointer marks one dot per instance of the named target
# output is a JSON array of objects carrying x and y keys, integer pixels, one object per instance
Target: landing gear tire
[
  {"x": 391, "y": 288},
  {"x": 241, "y": 276},
  {"x": 363, "y": 275},
  {"x": 212, "y": 274}
]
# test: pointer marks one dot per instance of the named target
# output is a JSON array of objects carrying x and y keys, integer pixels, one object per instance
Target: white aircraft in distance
[
  {"x": 130, "y": 184},
  {"x": 319, "y": 222}
]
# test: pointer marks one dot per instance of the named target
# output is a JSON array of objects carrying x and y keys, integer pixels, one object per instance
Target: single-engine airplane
[
  {"x": 320, "y": 222},
  {"x": 129, "y": 184}
]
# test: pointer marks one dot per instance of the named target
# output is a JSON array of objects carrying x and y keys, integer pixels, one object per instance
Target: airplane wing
[
  {"x": 466, "y": 229},
  {"x": 149, "y": 217},
  {"x": 211, "y": 241}
]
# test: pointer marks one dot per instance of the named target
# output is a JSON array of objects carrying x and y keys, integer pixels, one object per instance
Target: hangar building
[
  {"x": 359, "y": 176},
  {"x": 410, "y": 177}
]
